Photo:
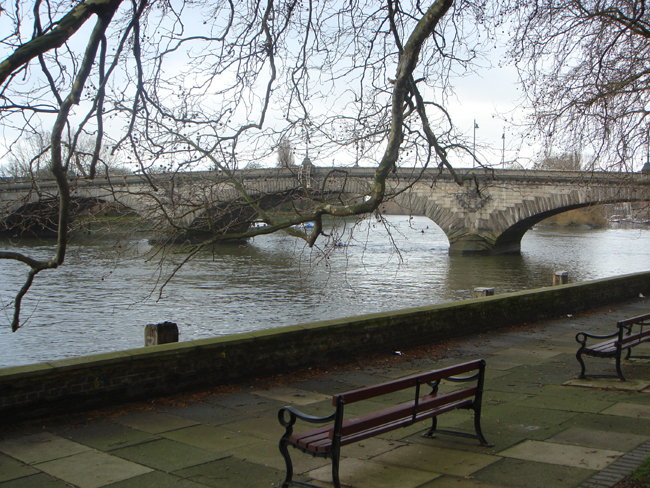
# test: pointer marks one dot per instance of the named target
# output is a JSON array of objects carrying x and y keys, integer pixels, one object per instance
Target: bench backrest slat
[
  {"x": 635, "y": 337},
  {"x": 411, "y": 381},
  {"x": 403, "y": 411},
  {"x": 349, "y": 439},
  {"x": 634, "y": 320}
]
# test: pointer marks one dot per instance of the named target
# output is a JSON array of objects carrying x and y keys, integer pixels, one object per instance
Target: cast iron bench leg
[
  {"x": 477, "y": 427},
  {"x": 287, "y": 461},
  {"x": 335, "y": 470},
  {"x": 618, "y": 366},
  {"x": 582, "y": 364},
  {"x": 431, "y": 432}
]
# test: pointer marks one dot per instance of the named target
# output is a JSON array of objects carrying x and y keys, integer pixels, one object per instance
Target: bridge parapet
[{"x": 489, "y": 213}]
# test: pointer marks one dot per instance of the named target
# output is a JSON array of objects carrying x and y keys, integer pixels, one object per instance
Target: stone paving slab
[
  {"x": 530, "y": 474},
  {"x": 156, "y": 479},
  {"x": 265, "y": 428},
  {"x": 447, "y": 461},
  {"x": 563, "y": 454},
  {"x": 166, "y": 455},
  {"x": 502, "y": 365},
  {"x": 458, "y": 482},
  {"x": 532, "y": 355},
  {"x": 105, "y": 435},
  {"x": 266, "y": 454},
  {"x": 609, "y": 383},
  {"x": 357, "y": 473},
  {"x": 203, "y": 413},
  {"x": 210, "y": 438},
  {"x": 153, "y": 422},
  {"x": 535, "y": 423},
  {"x": 92, "y": 469},
  {"x": 629, "y": 410},
  {"x": 617, "y": 441},
  {"x": 39, "y": 480},
  {"x": 569, "y": 402},
  {"x": 244, "y": 401},
  {"x": 231, "y": 472},
  {"x": 11, "y": 469},
  {"x": 38, "y": 448},
  {"x": 293, "y": 396},
  {"x": 613, "y": 423}
]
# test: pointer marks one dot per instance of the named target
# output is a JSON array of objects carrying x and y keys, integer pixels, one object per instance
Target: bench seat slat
[
  {"x": 602, "y": 349},
  {"x": 318, "y": 442}
]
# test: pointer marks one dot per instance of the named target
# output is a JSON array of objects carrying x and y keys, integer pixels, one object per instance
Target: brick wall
[{"x": 92, "y": 381}]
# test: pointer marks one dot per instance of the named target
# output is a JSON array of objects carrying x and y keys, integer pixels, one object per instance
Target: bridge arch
[
  {"x": 511, "y": 224},
  {"x": 40, "y": 218},
  {"x": 487, "y": 223}
]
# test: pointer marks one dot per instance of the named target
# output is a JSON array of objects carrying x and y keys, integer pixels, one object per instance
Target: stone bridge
[{"x": 489, "y": 213}]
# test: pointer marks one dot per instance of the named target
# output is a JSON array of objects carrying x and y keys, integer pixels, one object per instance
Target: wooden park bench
[
  {"x": 621, "y": 340},
  {"x": 326, "y": 441}
]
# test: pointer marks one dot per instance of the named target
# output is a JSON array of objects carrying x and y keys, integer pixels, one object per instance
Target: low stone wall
[{"x": 102, "y": 379}]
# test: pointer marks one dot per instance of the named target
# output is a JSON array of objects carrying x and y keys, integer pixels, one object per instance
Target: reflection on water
[{"x": 100, "y": 300}]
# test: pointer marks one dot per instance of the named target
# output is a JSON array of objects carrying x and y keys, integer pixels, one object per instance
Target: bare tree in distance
[
  {"x": 571, "y": 161},
  {"x": 583, "y": 69},
  {"x": 30, "y": 158},
  {"x": 198, "y": 85}
]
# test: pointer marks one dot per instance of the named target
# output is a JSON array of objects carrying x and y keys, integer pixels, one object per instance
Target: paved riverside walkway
[{"x": 548, "y": 429}]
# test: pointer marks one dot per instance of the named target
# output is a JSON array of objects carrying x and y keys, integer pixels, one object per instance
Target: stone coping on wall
[{"x": 95, "y": 380}]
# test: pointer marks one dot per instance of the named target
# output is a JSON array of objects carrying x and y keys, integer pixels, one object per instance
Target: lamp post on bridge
[
  {"x": 646, "y": 167},
  {"x": 474, "y": 147},
  {"x": 503, "y": 149}
]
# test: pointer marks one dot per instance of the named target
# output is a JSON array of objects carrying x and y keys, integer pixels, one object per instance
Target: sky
[
  {"x": 491, "y": 98},
  {"x": 486, "y": 109}
]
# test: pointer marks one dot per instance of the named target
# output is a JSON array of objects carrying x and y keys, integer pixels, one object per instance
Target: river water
[{"x": 103, "y": 296}]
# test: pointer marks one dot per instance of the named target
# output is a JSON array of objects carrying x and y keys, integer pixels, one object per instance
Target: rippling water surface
[{"x": 100, "y": 300}]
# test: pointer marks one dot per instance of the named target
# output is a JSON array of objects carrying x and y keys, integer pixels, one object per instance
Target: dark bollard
[
  {"x": 162, "y": 333},
  {"x": 560, "y": 278},
  {"x": 483, "y": 292}
]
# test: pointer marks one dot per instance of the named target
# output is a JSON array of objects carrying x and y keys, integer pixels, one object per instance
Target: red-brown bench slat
[
  {"x": 404, "y": 422},
  {"x": 635, "y": 339},
  {"x": 323, "y": 440},
  {"x": 402, "y": 384},
  {"x": 405, "y": 410}
]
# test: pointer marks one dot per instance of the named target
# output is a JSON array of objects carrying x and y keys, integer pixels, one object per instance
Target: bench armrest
[
  {"x": 459, "y": 379},
  {"x": 586, "y": 335},
  {"x": 295, "y": 414}
]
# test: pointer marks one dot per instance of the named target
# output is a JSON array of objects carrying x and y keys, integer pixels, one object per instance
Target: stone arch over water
[{"x": 490, "y": 223}]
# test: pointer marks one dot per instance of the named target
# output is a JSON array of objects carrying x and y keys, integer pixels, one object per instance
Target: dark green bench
[
  {"x": 622, "y": 340},
  {"x": 326, "y": 441}
]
